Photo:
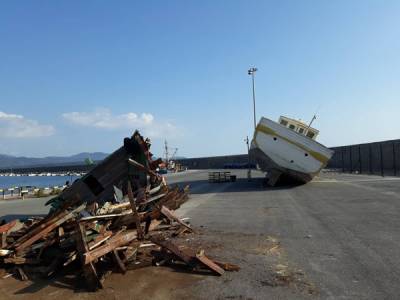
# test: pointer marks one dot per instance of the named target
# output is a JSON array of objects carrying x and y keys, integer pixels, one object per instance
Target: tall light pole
[
  {"x": 248, "y": 159},
  {"x": 252, "y": 71}
]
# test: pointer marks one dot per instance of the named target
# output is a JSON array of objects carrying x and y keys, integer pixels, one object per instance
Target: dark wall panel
[{"x": 379, "y": 158}]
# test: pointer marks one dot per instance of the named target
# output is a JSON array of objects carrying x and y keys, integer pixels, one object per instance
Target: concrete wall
[
  {"x": 215, "y": 162},
  {"x": 382, "y": 158}
]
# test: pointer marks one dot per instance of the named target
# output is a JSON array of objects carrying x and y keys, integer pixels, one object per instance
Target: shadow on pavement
[
  {"x": 67, "y": 279},
  {"x": 240, "y": 185}
]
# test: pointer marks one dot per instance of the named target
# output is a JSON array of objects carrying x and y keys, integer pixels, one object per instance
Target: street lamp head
[{"x": 251, "y": 71}]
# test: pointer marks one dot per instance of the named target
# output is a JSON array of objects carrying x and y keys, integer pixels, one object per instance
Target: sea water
[{"x": 35, "y": 181}]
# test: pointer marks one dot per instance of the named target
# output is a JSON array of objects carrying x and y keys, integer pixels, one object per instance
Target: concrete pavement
[{"x": 338, "y": 235}]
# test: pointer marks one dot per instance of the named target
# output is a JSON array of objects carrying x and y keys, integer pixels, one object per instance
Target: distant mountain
[{"x": 9, "y": 161}]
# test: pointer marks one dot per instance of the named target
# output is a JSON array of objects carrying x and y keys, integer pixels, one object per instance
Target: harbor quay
[{"x": 332, "y": 238}]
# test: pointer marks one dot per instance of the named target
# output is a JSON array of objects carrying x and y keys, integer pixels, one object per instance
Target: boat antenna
[
  {"x": 312, "y": 120},
  {"x": 314, "y": 117}
]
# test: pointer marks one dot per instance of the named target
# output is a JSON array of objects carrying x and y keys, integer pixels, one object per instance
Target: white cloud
[
  {"x": 104, "y": 119},
  {"x": 17, "y": 126}
]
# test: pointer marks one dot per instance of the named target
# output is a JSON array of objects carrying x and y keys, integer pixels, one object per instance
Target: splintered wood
[{"x": 92, "y": 229}]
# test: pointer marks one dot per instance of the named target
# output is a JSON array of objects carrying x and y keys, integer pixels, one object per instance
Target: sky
[{"x": 79, "y": 76}]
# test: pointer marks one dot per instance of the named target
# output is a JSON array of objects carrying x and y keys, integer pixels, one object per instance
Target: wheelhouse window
[
  {"x": 310, "y": 134},
  {"x": 301, "y": 130},
  {"x": 291, "y": 126},
  {"x": 283, "y": 122}
]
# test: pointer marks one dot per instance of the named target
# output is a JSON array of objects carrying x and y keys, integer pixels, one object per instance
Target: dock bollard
[
  {"x": 249, "y": 175},
  {"x": 23, "y": 193}
]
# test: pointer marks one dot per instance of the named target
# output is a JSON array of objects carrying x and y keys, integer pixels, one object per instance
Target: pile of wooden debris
[{"x": 104, "y": 222}]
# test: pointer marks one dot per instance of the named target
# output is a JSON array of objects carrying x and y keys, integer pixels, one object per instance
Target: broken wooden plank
[
  {"x": 187, "y": 256},
  {"x": 155, "y": 190},
  {"x": 180, "y": 231},
  {"x": 21, "y": 273},
  {"x": 21, "y": 261},
  {"x": 6, "y": 227},
  {"x": 146, "y": 245},
  {"x": 71, "y": 257},
  {"x": 155, "y": 212},
  {"x": 228, "y": 266},
  {"x": 96, "y": 226},
  {"x": 170, "y": 246},
  {"x": 117, "y": 240},
  {"x": 152, "y": 199},
  {"x": 60, "y": 231},
  {"x": 130, "y": 254},
  {"x": 48, "y": 229},
  {"x": 118, "y": 261},
  {"x": 209, "y": 263},
  {"x": 170, "y": 215},
  {"x": 37, "y": 227},
  {"x": 89, "y": 271},
  {"x": 125, "y": 220},
  {"x": 154, "y": 224},
  {"x": 108, "y": 216},
  {"x": 99, "y": 240},
  {"x": 135, "y": 213},
  {"x": 3, "y": 240},
  {"x": 143, "y": 168},
  {"x": 5, "y": 252}
]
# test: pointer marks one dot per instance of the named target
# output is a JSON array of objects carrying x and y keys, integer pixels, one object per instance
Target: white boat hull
[{"x": 279, "y": 150}]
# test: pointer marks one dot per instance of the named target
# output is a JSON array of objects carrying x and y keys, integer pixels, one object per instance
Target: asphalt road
[{"x": 336, "y": 237}]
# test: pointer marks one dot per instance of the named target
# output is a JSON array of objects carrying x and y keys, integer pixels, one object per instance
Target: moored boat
[{"x": 288, "y": 148}]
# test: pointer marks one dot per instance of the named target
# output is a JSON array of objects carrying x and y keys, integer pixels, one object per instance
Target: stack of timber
[{"x": 119, "y": 216}]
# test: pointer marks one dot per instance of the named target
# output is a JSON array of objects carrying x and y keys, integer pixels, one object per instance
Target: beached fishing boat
[{"x": 288, "y": 148}]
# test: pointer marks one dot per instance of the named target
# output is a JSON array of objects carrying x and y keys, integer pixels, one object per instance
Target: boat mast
[
  {"x": 166, "y": 154},
  {"x": 312, "y": 120}
]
